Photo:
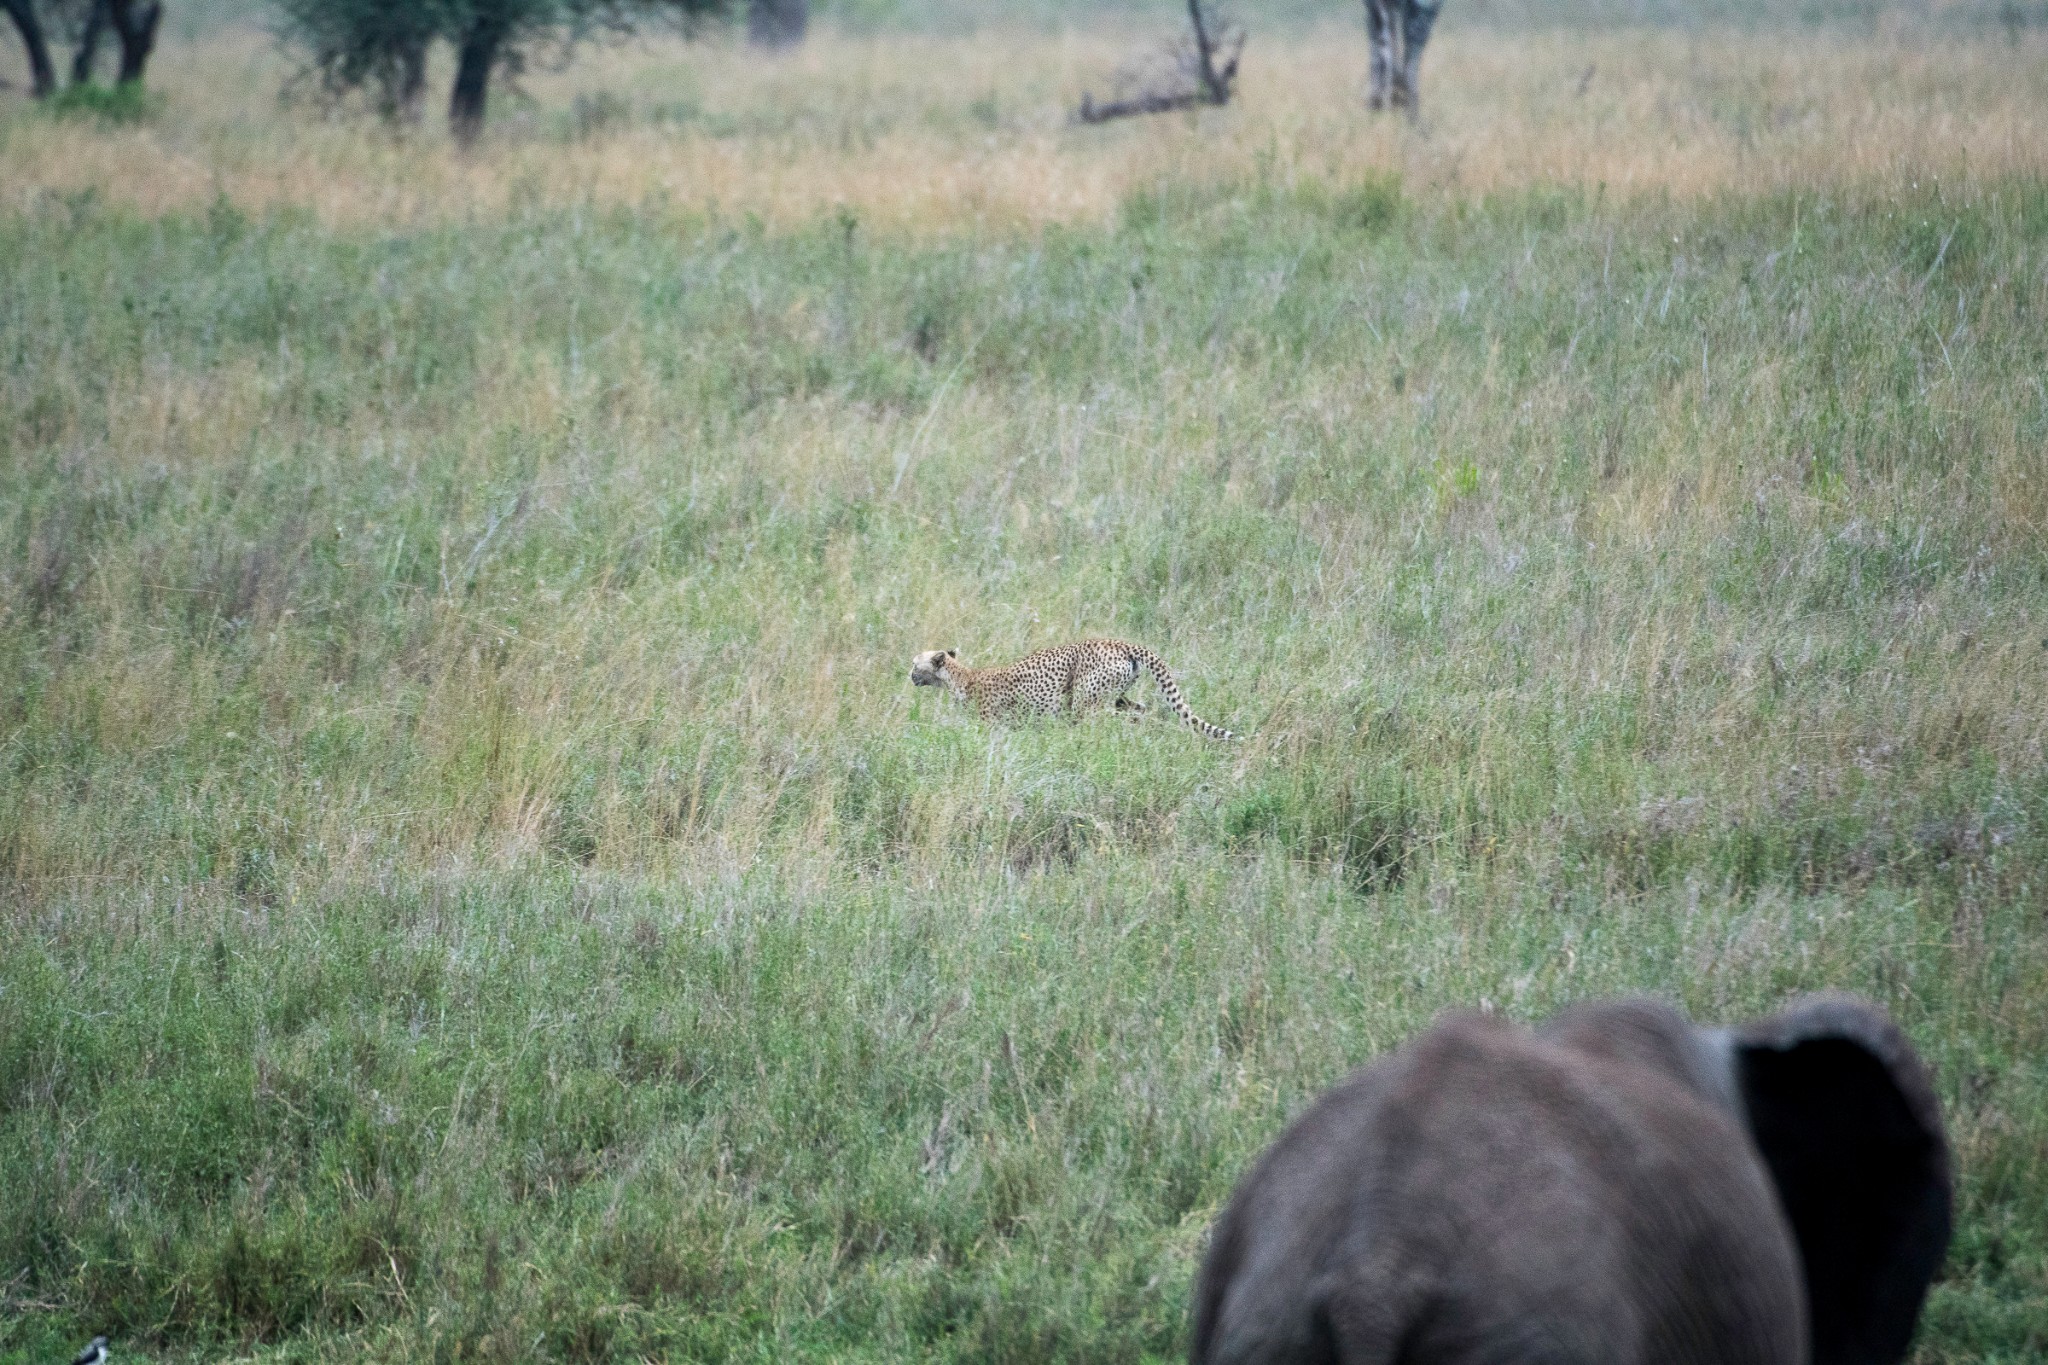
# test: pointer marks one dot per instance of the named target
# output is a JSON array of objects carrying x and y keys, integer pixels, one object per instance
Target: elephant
[
  {"x": 1397, "y": 31},
  {"x": 1617, "y": 1186}
]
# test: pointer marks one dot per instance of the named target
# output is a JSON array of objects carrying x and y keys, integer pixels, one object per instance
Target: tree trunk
[
  {"x": 41, "y": 73},
  {"x": 88, "y": 51},
  {"x": 777, "y": 23},
  {"x": 476, "y": 55},
  {"x": 135, "y": 25}
]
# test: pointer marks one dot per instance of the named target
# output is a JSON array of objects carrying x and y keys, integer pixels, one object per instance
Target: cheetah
[{"x": 1071, "y": 678}]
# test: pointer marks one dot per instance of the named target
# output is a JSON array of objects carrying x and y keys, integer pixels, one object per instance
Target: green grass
[
  {"x": 109, "y": 105},
  {"x": 477, "y": 883}
]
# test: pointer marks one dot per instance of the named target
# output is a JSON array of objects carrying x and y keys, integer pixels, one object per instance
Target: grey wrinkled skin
[
  {"x": 1397, "y": 31},
  {"x": 1618, "y": 1186}
]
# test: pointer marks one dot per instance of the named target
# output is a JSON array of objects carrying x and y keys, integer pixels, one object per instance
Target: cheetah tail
[{"x": 1171, "y": 689}]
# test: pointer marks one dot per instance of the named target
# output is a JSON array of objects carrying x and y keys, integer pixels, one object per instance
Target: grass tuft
[{"x": 107, "y": 105}]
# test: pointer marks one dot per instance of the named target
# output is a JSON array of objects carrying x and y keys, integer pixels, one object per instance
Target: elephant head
[{"x": 1616, "y": 1186}]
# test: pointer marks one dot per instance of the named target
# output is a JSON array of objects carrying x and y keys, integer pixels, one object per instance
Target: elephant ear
[{"x": 1846, "y": 1119}]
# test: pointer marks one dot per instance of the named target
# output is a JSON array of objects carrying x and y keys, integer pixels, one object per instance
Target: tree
[
  {"x": 88, "y": 49},
  {"x": 494, "y": 34},
  {"x": 134, "y": 24},
  {"x": 356, "y": 43},
  {"x": 1201, "y": 69},
  {"x": 87, "y": 22},
  {"x": 352, "y": 43},
  {"x": 42, "y": 75}
]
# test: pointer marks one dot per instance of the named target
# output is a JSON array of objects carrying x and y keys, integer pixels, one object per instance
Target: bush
[{"x": 382, "y": 45}]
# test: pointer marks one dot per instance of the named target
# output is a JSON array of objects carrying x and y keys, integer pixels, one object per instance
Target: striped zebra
[{"x": 1398, "y": 31}]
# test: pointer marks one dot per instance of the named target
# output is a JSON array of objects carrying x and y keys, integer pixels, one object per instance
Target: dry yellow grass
[{"x": 936, "y": 133}]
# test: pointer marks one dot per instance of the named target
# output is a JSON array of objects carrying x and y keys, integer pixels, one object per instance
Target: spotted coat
[{"x": 1063, "y": 680}]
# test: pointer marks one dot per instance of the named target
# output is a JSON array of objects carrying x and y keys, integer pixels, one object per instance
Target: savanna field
[{"x": 476, "y": 882}]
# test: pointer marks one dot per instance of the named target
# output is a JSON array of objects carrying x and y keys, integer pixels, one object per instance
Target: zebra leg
[
  {"x": 1379, "y": 36},
  {"x": 1417, "y": 18}
]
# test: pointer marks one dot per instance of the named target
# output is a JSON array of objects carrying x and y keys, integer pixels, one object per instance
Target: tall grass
[
  {"x": 477, "y": 881},
  {"x": 913, "y": 134}
]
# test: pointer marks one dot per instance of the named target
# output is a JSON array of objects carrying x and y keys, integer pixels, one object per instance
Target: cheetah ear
[{"x": 952, "y": 653}]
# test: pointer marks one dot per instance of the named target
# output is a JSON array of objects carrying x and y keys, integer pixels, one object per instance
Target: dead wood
[{"x": 1199, "y": 70}]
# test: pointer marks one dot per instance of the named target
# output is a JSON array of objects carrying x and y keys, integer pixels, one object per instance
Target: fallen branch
[
  {"x": 1091, "y": 112},
  {"x": 1203, "y": 70}
]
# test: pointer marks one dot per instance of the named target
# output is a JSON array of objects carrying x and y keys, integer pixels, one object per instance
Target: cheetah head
[{"x": 929, "y": 668}]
